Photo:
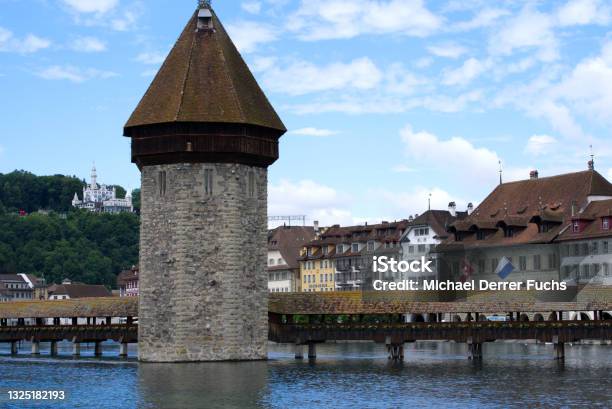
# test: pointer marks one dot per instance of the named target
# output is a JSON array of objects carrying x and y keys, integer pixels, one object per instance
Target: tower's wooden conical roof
[{"x": 204, "y": 80}]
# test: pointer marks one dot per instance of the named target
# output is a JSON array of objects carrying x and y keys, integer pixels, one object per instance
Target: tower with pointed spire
[{"x": 203, "y": 137}]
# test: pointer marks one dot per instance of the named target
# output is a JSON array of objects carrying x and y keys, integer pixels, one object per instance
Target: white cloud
[
  {"x": 248, "y": 35},
  {"x": 540, "y": 144},
  {"x": 589, "y": 86},
  {"x": 402, "y": 169},
  {"x": 416, "y": 200},
  {"x": 302, "y": 77},
  {"x": 583, "y": 12},
  {"x": 74, "y": 74},
  {"x": 91, "y": 6},
  {"x": 316, "y": 201},
  {"x": 447, "y": 50},
  {"x": 253, "y": 7},
  {"x": 457, "y": 157},
  {"x": 151, "y": 57},
  {"x": 313, "y": 132},
  {"x": 88, "y": 45},
  {"x": 463, "y": 75},
  {"x": 332, "y": 19},
  {"x": 27, "y": 45},
  {"x": 484, "y": 18},
  {"x": 530, "y": 29}
]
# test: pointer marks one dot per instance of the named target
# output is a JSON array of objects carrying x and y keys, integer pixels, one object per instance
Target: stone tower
[{"x": 203, "y": 136}]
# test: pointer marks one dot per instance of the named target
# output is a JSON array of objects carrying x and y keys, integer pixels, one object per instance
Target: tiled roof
[
  {"x": 520, "y": 204},
  {"x": 289, "y": 240},
  {"x": 204, "y": 79},
  {"x": 127, "y": 275},
  {"x": 79, "y": 290},
  {"x": 99, "y": 307},
  {"x": 593, "y": 214}
]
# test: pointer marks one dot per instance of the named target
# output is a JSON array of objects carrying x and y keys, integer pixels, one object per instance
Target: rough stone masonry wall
[{"x": 203, "y": 286}]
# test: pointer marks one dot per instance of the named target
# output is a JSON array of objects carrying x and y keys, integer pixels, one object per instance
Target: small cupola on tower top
[{"x": 205, "y": 18}]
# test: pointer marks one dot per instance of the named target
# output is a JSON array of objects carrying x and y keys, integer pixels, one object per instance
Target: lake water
[{"x": 355, "y": 376}]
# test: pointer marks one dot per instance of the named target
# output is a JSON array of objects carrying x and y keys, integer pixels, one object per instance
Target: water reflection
[
  {"x": 355, "y": 375},
  {"x": 212, "y": 385}
]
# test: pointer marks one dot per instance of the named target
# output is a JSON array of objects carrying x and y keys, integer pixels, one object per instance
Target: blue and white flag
[{"x": 504, "y": 268}]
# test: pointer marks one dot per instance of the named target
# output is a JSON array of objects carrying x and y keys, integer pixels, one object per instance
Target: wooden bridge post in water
[
  {"x": 35, "y": 347},
  {"x": 53, "y": 348},
  {"x": 76, "y": 348},
  {"x": 474, "y": 349},
  {"x": 299, "y": 350},
  {"x": 312, "y": 350},
  {"x": 559, "y": 348},
  {"x": 123, "y": 349}
]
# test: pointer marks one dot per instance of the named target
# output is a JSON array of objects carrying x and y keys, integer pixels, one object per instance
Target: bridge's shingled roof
[
  {"x": 82, "y": 308},
  {"x": 402, "y": 302}
]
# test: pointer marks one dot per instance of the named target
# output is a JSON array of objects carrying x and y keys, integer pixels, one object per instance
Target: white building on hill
[{"x": 102, "y": 198}]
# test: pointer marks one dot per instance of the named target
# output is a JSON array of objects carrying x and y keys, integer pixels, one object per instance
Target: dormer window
[
  {"x": 509, "y": 232},
  {"x": 480, "y": 235},
  {"x": 355, "y": 247},
  {"x": 605, "y": 223},
  {"x": 339, "y": 249},
  {"x": 576, "y": 226},
  {"x": 204, "y": 19},
  {"x": 370, "y": 245}
]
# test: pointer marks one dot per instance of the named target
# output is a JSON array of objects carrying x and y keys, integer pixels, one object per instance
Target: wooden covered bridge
[{"x": 307, "y": 319}]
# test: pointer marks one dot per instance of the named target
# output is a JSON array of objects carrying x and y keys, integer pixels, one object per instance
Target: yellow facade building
[{"x": 317, "y": 269}]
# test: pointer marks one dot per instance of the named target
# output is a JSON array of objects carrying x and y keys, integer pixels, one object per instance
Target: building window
[
  {"x": 509, "y": 232},
  {"x": 522, "y": 263},
  {"x": 605, "y": 223},
  {"x": 552, "y": 261},
  {"x": 537, "y": 262},
  {"x": 370, "y": 245},
  {"x": 251, "y": 184},
  {"x": 325, "y": 250},
  {"x": 595, "y": 247},
  {"x": 605, "y": 247},
  {"x": 271, "y": 262},
  {"x": 481, "y": 266},
  {"x": 421, "y": 248},
  {"x": 208, "y": 182},
  {"x": 355, "y": 247},
  {"x": 161, "y": 182},
  {"x": 576, "y": 226},
  {"x": 480, "y": 235}
]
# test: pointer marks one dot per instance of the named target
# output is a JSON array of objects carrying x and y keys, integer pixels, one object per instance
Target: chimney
[
  {"x": 534, "y": 174},
  {"x": 452, "y": 208},
  {"x": 470, "y": 208},
  {"x": 573, "y": 208}
]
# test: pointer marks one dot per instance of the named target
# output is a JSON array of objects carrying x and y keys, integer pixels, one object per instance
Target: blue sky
[{"x": 387, "y": 101}]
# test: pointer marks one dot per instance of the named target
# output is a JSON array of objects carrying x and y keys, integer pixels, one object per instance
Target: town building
[
  {"x": 422, "y": 236},
  {"x": 203, "y": 137},
  {"x": 68, "y": 290},
  {"x": 341, "y": 258},
  {"x": 586, "y": 245},
  {"x": 100, "y": 198},
  {"x": 284, "y": 245},
  {"x": 522, "y": 222},
  {"x": 127, "y": 282},
  {"x": 21, "y": 287}
]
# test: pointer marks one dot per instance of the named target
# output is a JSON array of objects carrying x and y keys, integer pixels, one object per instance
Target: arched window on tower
[
  {"x": 208, "y": 182},
  {"x": 251, "y": 184},
  {"x": 161, "y": 183}
]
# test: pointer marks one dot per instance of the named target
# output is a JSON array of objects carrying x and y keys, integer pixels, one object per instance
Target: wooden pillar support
[
  {"x": 123, "y": 350},
  {"x": 35, "y": 347},
  {"x": 14, "y": 348},
  {"x": 312, "y": 350},
  {"x": 474, "y": 349},
  {"x": 76, "y": 348},
  {"x": 559, "y": 351},
  {"x": 98, "y": 348},
  {"x": 53, "y": 348},
  {"x": 299, "y": 351},
  {"x": 396, "y": 352}
]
